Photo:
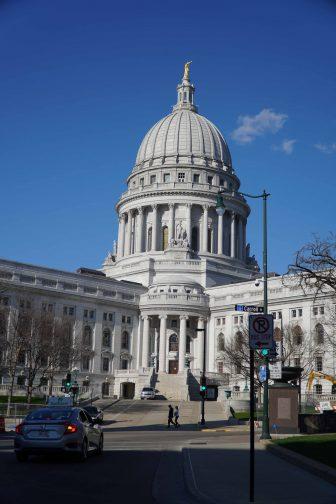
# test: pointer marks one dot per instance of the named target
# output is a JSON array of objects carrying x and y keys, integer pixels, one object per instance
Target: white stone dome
[{"x": 184, "y": 133}]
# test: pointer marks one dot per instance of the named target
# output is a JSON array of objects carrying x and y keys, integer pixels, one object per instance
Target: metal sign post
[{"x": 251, "y": 425}]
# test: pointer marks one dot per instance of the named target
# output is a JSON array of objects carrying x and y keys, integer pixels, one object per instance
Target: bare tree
[
  {"x": 314, "y": 268},
  {"x": 298, "y": 348}
]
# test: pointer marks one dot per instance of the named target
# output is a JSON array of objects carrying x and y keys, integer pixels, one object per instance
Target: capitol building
[{"x": 173, "y": 277}]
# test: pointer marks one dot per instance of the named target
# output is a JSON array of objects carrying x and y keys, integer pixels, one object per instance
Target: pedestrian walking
[
  {"x": 176, "y": 417},
  {"x": 170, "y": 416}
]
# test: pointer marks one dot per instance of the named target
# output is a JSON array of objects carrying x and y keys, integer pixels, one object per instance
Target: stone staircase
[{"x": 172, "y": 386}]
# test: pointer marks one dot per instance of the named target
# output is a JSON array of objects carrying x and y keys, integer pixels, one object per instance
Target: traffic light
[
  {"x": 68, "y": 381},
  {"x": 264, "y": 352},
  {"x": 203, "y": 386}
]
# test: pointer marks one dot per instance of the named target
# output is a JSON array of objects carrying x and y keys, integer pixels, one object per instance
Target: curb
[
  {"x": 190, "y": 480},
  {"x": 317, "y": 468}
]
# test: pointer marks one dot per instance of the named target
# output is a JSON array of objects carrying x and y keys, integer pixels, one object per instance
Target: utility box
[{"x": 283, "y": 408}]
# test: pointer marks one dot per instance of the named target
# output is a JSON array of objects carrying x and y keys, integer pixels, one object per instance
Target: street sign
[
  {"x": 249, "y": 309},
  {"x": 260, "y": 331},
  {"x": 262, "y": 373},
  {"x": 276, "y": 366}
]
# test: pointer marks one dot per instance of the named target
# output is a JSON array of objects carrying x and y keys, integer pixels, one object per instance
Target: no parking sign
[{"x": 260, "y": 331}]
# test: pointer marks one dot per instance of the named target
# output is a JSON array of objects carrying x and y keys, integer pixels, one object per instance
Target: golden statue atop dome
[{"x": 187, "y": 70}]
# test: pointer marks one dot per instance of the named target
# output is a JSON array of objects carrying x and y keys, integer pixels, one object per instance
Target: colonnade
[
  {"x": 164, "y": 353},
  {"x": 133, "y": 230}
]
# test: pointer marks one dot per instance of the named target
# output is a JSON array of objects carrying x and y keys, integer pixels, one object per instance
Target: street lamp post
[
  {"x": 202, "y": 329},
  {"x": 220, "y": 209}
]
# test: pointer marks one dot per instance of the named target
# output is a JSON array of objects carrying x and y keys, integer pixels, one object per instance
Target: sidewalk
[{"x": 219, "y": 474}]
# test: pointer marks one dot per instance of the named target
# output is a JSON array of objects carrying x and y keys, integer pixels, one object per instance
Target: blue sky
[{"x": 82, "y": 82}]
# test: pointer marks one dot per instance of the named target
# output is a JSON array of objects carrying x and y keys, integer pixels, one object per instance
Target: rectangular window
[
  {"x": 300, "y": 312},
  {"x": 223, "y": 320},
  {"x": 210, "y": 179},
  {"x": 166, "y": 177},
  {"x": 124, "y": 364},
  {"x": 318, "y": 363},
  {"x": 174, "y": 323},
  {"x": 104, "y": 316},
  {"x": 235, "y": 320},
  {"x": 297, "y": 361},
  {"x": 321, "y": 310},
  {"x": 273, "y": 313},
  {"x": 196, "y": 178},
  {"x": 293, "y": 313},
  {"x": 221, "y": 182},
  {"x": 218, "y": 321},
  {"x": 181, "y": 177},
  {"x": 129, "y": 320},
  {"x": 315, "y": 310},
  {"x": 141, "y": 182},
  {"x": 152, "y": 179},
  {"x": 110, "y": 317},
  {"x": 106, "y": 364},
  {"x": 86, "y": 312},
  {"x": 123, "y": 319},
  {"x": 241, "y": 319},
  {"x": 279, "y": 315},
  {"x": 92, "y": 314}
]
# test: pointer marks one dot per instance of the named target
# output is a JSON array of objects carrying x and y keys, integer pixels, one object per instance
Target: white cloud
[
  {"x": 325, "y": 148},
  {"x": 250, "y": 127},
  {"x": 287, "y": 146}
]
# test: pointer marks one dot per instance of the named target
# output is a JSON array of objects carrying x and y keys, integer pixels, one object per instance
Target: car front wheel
[
  {"x": 84, "y": 451},
  {"x": 100, "y": 445}
]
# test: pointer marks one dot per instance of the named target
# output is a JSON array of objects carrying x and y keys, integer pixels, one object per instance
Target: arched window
[
  {"x": 87, "y": 336},
  {"x": 239, "y": 340},
  {"x": 319, "y": 334},
  {"x": 149, "y": 239},
  {"x": 194, "y": 238},
  {"x": 164, "y": 237},
  {"x": 125, "y": 341},
  {"x": 173, "y": 343},
  {"x": 277, "y": 334},
  {"x": 188, "y": 344},
  {"x": 106, "y": 337},
  {"x": 220, "y": 342},
  {"x": 297, "y": 335}
]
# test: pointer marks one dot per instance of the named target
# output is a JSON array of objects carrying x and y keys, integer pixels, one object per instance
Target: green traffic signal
[
  {"x": 203, "y": 388},
  {"x": 264, "y": 352}
]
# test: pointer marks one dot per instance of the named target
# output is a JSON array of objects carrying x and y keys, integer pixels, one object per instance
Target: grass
[
  {"x": 319, "y": 447},
  {"x": 21, "y": 399},
  {"x": 245, "y": 415}
]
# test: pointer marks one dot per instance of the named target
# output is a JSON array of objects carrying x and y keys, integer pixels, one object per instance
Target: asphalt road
[{"x": 141, "y": 458}]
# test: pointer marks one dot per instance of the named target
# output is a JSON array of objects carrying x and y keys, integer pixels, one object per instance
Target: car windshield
[
  {"x": 91, "y": 410},
  {"x": 50, "y": 414},
  {"x": 147, "y": 389}
]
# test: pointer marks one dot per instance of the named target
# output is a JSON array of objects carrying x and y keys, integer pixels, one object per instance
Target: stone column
[
  {"x": 244, "y": 240},
  {"x": 162, "y": 350},
  {"x": 188, "y": 222},
  {"x": 200, "y": 338},
  {"x": 182, "y": 343},
  {"x": 233, "y": 235},
  {"x": 129, "y": 233},
  {"x": 139, "y": 230},
  {"x": 205, "y": 228},
  {"x": 220, "y": 235},
  {"x": 240, "y": 238},
  {"x": 171, "y": 223},
  {"x": 121, "y": 237},
  {"x": 154, "y": 227},
  {"x": 145, "y": 341}
]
